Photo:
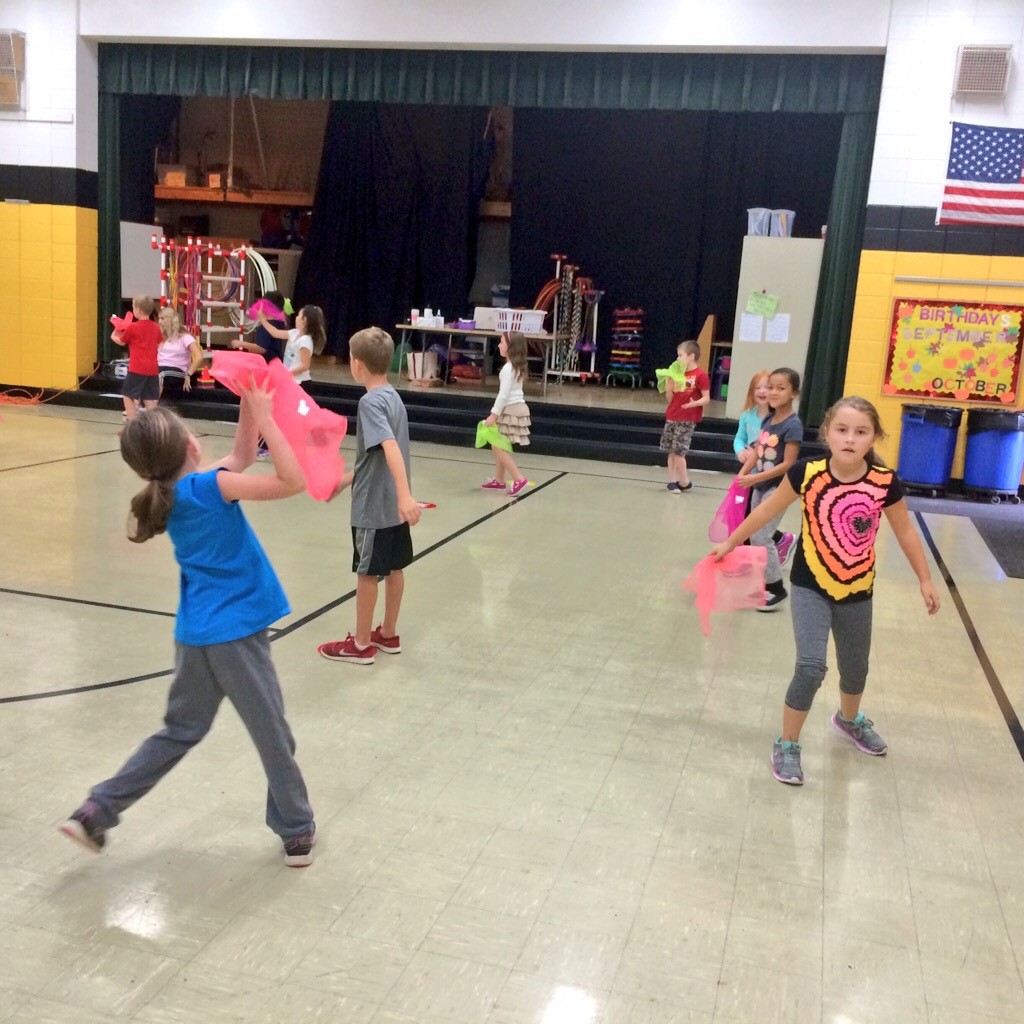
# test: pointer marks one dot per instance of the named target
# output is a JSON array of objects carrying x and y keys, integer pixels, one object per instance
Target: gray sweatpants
[
  {"x": 764, "y": 538},
  {"x": 242, "y": 671},
  {"x": 814, "y": 616}
]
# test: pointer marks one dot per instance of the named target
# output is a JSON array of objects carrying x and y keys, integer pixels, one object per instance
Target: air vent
[{"x": 982, "y": 69}]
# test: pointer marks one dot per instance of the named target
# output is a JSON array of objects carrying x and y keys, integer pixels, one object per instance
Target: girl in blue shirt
[
  {"x": 229, "y": 595},
  {"x": 755, "y": 408}
]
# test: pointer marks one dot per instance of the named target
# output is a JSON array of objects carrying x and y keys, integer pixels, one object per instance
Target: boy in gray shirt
[{"x": 383, "y": 507}]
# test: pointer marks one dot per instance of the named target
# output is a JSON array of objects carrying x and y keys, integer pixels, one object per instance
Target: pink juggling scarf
[
  {"x": 314, "y": 434},
  {"x": 734, "y": 582}
]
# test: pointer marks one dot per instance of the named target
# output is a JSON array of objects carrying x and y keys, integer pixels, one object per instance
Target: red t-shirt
[
  {"x": 697, "y": 385},
  {"x": 143, "y": 338}
]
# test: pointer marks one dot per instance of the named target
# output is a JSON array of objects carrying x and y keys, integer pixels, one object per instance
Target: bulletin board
[
  {"x": 777, "y": 290},
  {"x": 968, "y": 351}
]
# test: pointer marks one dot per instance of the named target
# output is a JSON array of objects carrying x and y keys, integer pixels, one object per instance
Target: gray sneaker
[
  {"x": 786, "y": 763},
  {"x": 860, "y": 731}
]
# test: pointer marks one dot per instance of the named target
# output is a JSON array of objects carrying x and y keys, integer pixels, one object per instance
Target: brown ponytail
[
  {"x": 155, "y": 445},
  {"x": 517, "y": 352}
]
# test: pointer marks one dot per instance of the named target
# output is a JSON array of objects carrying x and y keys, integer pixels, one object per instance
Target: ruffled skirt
[{"x": 514, "y": 423}]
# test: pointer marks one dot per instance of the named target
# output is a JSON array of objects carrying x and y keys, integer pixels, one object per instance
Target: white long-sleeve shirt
[{"x": 510, "y": 390}]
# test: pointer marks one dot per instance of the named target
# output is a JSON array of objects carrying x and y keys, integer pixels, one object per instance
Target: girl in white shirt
[
  {"x": 308, "y": 336},
  {"x": 511, "y": 413},
  {"x": 179, "y": 355}
]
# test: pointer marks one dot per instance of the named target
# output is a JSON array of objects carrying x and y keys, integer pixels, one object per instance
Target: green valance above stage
[{"x": 728, "y": 83}]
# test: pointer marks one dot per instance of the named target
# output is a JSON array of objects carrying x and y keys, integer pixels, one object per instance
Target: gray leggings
[
  {"x": 242, "y": 671},
  {"x": 813, "y": 617},
  {"x": 765, "y": 537}
]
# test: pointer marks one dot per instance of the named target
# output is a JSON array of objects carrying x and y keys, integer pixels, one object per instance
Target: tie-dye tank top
[{"x": 836, "y": 552}]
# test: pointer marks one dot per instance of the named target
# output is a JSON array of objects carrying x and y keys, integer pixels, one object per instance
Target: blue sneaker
[
  {"x": 786, "y": 762},
  {"x": 673, "y": 487}
]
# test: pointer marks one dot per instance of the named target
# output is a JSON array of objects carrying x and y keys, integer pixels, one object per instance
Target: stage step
[{"x": 613, "y": 435}]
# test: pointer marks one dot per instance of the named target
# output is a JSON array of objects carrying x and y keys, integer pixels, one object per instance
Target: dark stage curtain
[
  {"x": 837, "y": 286},
  {"x": 652, "y": 205},
  {"x": 129, "y": 129},
  {"x": 395, "y": 222},
  {"x": 108, "y": 217},
  {"x": 842, "y": 84}
]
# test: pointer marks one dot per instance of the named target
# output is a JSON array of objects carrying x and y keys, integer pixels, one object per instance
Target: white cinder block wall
[
  {"x": 917, "y": 105},
  {"x": 59, "y": 127}
]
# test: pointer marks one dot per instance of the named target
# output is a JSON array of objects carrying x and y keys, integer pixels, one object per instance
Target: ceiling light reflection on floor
[{"x": 570, "y": 1006}]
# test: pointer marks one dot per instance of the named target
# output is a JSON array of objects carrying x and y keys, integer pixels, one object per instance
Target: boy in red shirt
[
  {"x": 142, "y": 338},
  {"x": 686, "y": 403}
]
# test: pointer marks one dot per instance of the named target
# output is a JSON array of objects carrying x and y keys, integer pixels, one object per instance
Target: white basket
[{"x": 525, "y": 321}]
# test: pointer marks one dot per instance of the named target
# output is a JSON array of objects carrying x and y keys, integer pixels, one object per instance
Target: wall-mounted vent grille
[{"x": 982, "y": 69}]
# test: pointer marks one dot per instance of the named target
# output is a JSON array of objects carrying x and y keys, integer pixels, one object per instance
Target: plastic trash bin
[
  {"x": 759, "y": 219},
  {"x": 994, "y": 460},
  {"x": 927, "y": 443}
]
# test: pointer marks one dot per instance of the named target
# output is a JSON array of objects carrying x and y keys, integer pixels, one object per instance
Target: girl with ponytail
[{"x": 229, "y": 595}]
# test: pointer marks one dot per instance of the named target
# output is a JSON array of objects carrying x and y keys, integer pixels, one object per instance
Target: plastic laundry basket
[{"x": 927, "y": 444}]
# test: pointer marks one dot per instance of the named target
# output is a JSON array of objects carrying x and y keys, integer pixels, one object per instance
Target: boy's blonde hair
[
  {"x": 691, "y": 348},
  {"x": 145, "y": 304},
  {"x": 374, "y": 348}
]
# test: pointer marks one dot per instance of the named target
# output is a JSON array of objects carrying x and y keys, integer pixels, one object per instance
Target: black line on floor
[
  {"x": 1009, "y": 715},
  {"x": 423, "y": 554},
  {"x": 295, "y": 625},
  {"x": 69, "y": 458},
  {"x": 82, "y": 600},
  {"x": 85, "y": 689}
]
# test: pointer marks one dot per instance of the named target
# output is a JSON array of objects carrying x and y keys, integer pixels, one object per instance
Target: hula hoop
[{"x": 263, "y": 273}]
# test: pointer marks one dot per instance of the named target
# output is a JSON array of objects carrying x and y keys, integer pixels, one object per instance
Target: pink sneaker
[
  {"x": 785, "y": 547},
  {"x": 385, "y": 644},
  {"x": 346, "y": 650},
  {"x": 493, "y": 485},
  {"x": 516, "y": 486}
]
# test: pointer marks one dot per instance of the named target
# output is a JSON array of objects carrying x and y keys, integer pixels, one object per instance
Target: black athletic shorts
[
  {"x": 142, "y": 387},
  {"x": 380, "y": 552}
]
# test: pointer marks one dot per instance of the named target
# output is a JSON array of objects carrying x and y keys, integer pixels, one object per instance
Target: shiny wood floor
[{"x": 554, "y": 807}]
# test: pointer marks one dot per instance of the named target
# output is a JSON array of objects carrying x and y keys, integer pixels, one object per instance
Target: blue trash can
[
  {"x": 994, "y": 460},
  {"x": 927, "y": 444}
]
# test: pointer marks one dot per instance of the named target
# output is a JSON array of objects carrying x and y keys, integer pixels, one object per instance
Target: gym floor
[{"x": 554, "y": 807}]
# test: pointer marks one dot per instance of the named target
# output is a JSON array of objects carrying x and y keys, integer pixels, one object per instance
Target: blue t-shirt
[
  {"x": 229, "y": 589},
  {"x": 747, "y": 430}
]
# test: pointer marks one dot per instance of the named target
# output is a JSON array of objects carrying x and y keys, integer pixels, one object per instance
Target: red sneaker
[
  {"x": 385, "y": 644},
  {"x": 346, "y": 650}
]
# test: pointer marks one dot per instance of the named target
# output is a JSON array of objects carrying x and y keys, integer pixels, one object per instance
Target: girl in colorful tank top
[{"x": 843, "y": 499}]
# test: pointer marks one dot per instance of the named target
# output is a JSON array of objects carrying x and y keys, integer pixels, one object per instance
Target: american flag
[{"x": 985, "y": 176}]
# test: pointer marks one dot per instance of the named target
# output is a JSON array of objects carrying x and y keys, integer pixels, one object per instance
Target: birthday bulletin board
[{"x": 967, "y": 351}]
